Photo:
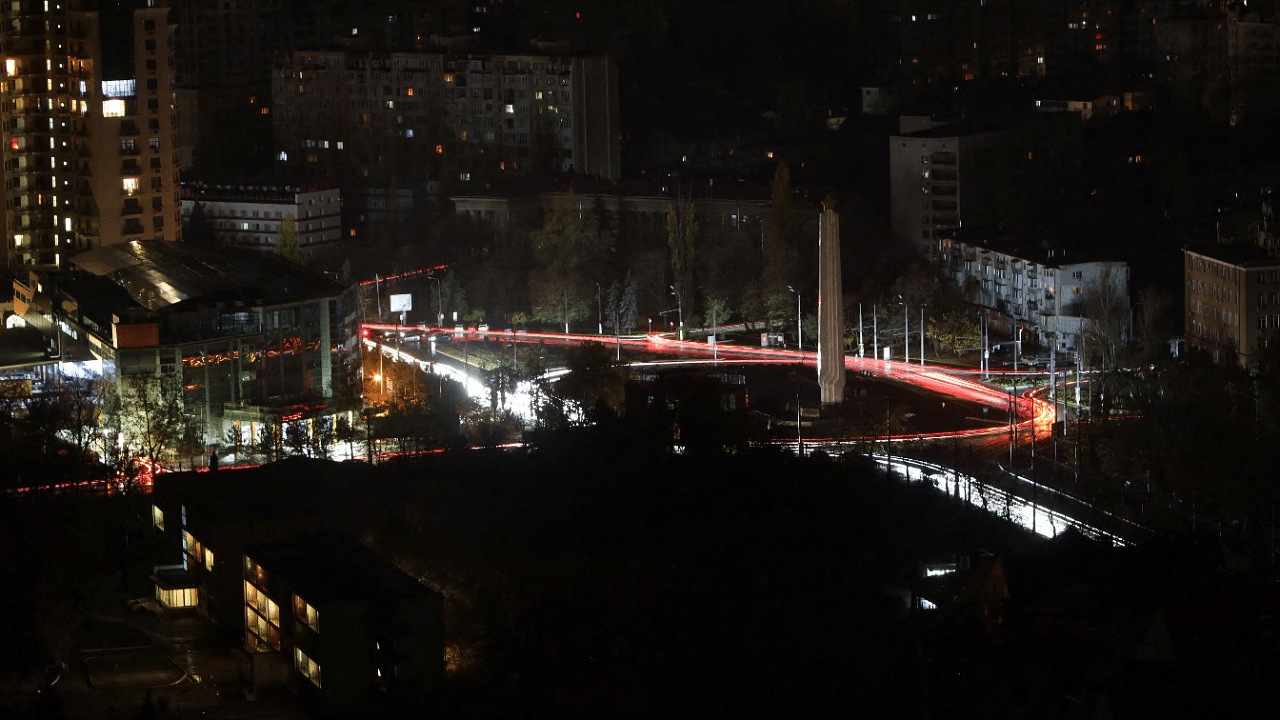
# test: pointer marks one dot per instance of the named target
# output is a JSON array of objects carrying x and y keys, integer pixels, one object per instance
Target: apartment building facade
[
  {"x": 1042, "y": 292},
  {"x": 940, "y": 175},
  {"x": 89, "y": 158},
  {"x": 1232, "y": 302},
  {"x": 406, "y": 118},
  {"x": 336, "y": 623},
  {"x": 246, "y": 213}
]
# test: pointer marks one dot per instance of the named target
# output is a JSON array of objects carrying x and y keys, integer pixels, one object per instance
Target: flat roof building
[
  {"x": 246, "y": 212},
  {"x": 405, "y": 118},
  {"x": 1232, "y": 302}
]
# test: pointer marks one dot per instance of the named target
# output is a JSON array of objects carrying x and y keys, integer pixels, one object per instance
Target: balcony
[
  {"x": 132, "y": 207},
  {"x": 944, "y": 158},
  {"x": 947, "y": 174},
  {"x": 944, "y": 190},
  {"x": 130, "y": 167}
]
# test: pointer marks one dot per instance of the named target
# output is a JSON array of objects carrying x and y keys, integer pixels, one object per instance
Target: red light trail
[{"x": 1035, "y": 415}]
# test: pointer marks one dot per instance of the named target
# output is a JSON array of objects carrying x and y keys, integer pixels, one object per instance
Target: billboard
[{"x": 402, "y": 302}]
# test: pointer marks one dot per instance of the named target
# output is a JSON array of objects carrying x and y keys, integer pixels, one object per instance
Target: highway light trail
[{"x": 1034, "y": 414}]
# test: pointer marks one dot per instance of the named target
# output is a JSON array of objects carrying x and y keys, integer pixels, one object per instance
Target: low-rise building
[
  {"x": 1232, "y": 301},
  {"x": 247, "y": 212},
  {"x": 1045, "y": 292},
  {"x": 336, "y": 623},
  {"x": 227, "y": 341}
]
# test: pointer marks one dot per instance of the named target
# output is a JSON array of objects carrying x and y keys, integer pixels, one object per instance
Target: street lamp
[
  {"x": 922, "y": 307},
  {"x": 679, "y": 308},
  {"x": 599, "y": 316},
  {"x": 799, "y": 327},
  {"x": 906, "y": 331},
  {"x": 439, "y": 301}
]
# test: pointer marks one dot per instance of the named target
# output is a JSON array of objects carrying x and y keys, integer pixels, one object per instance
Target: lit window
[
  {"x": 11, "y": 67},
  {"x": 306, "y": 614},
  {"x": 266, "y": 111},
  {"x": 339, "y": 144},
  {"x": 306, "y": 666},
  {"x": 113, "y": 108},
  {"x": 130, "y": 185},
  {"x": 284, "y": 156},
  {"x": 208, "y": 559},
  {"x": 180, "y": 598},
  {"x": 439, "y": 149},
  {"x": 157, "y": 515}
]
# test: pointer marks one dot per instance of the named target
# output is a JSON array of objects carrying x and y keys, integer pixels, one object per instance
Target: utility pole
[
  {"x": 599, "y": 316},
  {"x": 906, "y": 330},
  {"x": 859, "y": 329},
  {"x": 875, "y": 335},
  {"x": 799, "y": 329},
  {"x": 922, "y": 307}
]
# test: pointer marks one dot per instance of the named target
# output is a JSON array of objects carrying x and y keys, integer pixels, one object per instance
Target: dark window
[
  {"x": 152, "y": 84},
  {"x": 149, "y": 25},
  {"x": 155, "y": 163},
  {"x": 151, "y": 45},
  {"x": 153, "y": 104}
]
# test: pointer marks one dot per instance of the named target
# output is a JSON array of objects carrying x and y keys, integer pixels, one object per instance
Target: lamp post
[
  {"x": 799, "y": 327},
  {"x": 679, "y": 308},
  {"x": 439, "y": 301},
  {"x": 566, "y": 311},
  {"x": 599, "y": 316},
  {"x": 922, "y": 307},
  {"x": 906, "y": 330}
]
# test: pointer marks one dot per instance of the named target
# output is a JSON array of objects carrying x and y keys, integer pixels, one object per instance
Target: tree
[
  {"x": 952, "y": 331},
  {"x": 196, "y": 230},
  {"x": 1105, "y": 311},
  {"x": 629, "y": 313},
  {"x": 453, "y": 299},
  {"x": 781, "y": 195},
  {"x": 718, "y": 311},
  {"x": 287, "y": 245},
  {"x": 682, "y": 234},
  {"x": 152, "y": 417},
  {"x": 594, "y": 376}
]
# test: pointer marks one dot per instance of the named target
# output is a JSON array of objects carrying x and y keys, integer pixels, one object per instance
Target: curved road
[{"x": 1036, "y": 415}]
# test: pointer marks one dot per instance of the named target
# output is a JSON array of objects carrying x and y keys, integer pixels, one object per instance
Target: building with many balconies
[
  {"x": 404, "y": 118},
  {"x": 1041, "y": 291},
  {"x": 89, "y": 143}
]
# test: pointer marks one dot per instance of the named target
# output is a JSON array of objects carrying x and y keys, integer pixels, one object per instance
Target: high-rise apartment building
[
  {"x": 408, "y": 117},
  {"x": 939, "y": 175},
  {"x": 87, "y": 112}
]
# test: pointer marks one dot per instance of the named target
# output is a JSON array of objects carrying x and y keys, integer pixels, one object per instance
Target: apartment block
[
  {"x": 1041, "y": 291},
  {"x": 246, "y": 213},
  {"x": 404, "y": 118},
  {"x": 1232, "y": 302},
  {"x": 88, "y": 129},
  {"x": 941, "y": 175},
  {"x": 135, "y": 141},
  {"x": 337, "y": 623}
]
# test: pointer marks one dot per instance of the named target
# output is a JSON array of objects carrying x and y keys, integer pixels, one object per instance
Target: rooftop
[
  {"x": 589, "y": 185},
  {"x": 1240, "y": 255},
  {"x": 331, "y": 568},
  {"x": 159, "y": 274}
]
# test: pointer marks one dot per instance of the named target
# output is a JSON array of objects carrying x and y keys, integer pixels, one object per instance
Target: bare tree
[{"x": 1105, "y": 312}]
